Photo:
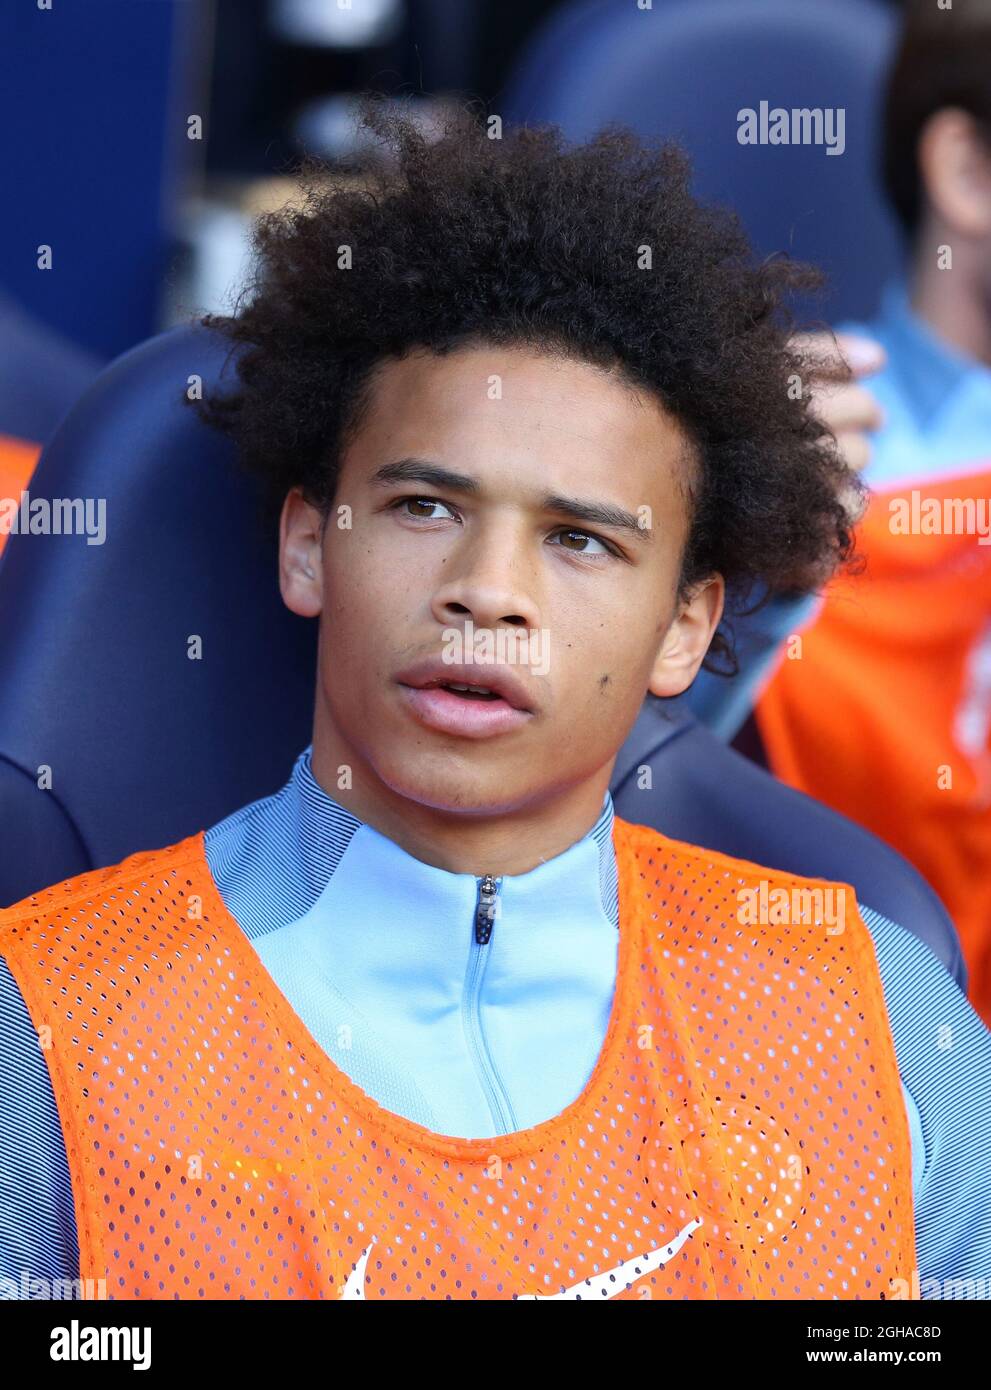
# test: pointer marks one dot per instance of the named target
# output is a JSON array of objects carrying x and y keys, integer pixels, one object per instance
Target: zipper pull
[{"x": 488, "y": 890}]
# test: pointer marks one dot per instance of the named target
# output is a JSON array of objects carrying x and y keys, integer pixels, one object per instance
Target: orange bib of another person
[
  {"x": 17, "y": 462},
  {"x": 885, "y": 711}
]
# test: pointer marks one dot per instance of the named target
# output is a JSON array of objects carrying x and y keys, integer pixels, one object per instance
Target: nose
[{"x": 489, "y": 582}]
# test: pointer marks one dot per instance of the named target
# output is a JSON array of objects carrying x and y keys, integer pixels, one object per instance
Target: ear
[
  {"x": 687, "y": 639},
  {"x": 955, "y": 167},
  {"x": 301, "y": 555}
]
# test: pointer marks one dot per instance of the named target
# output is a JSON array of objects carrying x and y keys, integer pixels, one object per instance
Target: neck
[
  {"x": 952, "y": 302},
  {"x": 498, "y": 841}
]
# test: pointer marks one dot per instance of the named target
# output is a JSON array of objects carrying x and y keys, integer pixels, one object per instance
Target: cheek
[
  {"x": 606, "y": 674},
  {"x": 372, "y": 607},
  {"x": 612, "y": 633},
  {"x": 594, "y": 674},
  {"x": 359, "y": 578}
]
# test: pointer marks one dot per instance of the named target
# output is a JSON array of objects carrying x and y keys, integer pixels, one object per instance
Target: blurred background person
[{"x": 885, "y": 711}]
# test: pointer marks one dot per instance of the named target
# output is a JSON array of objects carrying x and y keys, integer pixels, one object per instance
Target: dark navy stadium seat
[
  {"x": 42, "y": 374},
  {"x": 686, "y": 68},
  {"x": 146, "y": 746}
]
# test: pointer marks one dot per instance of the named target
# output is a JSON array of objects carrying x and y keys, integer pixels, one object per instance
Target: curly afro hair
[{"x": 598, "y": 252}]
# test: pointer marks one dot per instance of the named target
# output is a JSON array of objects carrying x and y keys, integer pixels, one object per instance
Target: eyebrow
[{"x": 417, "y": 470}]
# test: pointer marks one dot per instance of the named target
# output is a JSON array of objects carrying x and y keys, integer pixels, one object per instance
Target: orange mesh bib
[
  {"x": 887, "y": 715},
  {"x": 742, "y": 1134}
]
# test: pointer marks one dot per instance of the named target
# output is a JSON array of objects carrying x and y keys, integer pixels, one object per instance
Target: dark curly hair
[{"x": 523, "y": 239}]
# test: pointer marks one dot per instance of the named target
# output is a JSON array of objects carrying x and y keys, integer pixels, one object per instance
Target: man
[
  {"x": 884, "y": 709},
  {"x": 431, "y": 1021}
]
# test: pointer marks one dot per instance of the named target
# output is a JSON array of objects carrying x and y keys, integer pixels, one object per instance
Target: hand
[{"x": 833, "y": 366}]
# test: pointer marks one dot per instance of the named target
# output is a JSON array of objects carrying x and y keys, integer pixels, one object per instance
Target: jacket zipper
[{"x": 486, "y": 903}]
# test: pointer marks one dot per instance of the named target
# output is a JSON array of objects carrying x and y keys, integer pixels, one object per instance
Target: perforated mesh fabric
[{"x": 741, "y": 1136}]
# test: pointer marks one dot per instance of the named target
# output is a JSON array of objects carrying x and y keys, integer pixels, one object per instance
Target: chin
[{"x": 443, "y": 782}]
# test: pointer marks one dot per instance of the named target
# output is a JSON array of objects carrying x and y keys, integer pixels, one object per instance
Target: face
[
  {"x": 955, "y": 167},
  {"x": 525, "y": 516}
]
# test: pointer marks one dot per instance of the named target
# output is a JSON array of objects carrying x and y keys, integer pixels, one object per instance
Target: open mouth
[{"x": 470, "y": 692}]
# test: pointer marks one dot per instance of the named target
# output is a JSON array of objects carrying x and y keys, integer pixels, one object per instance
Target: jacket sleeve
[
  {"x": 37, "y": 1216},
  {"x": 944, "y": 1057}
]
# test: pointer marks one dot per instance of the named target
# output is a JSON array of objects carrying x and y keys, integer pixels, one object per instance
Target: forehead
[{"x": 515, "y": 416}]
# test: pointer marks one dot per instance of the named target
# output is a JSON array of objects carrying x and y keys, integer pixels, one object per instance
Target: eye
[
  {"x": 604, "y": 547},
  {"x": 401, "y": 502}
]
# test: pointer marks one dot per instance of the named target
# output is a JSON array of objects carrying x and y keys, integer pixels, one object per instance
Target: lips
[
  {"x": 500, "y": 680},
  {"x": 425, "y": 689}
]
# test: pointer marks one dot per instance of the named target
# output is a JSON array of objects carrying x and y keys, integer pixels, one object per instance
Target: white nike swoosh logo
[{"x": 606, "y": 1285}]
